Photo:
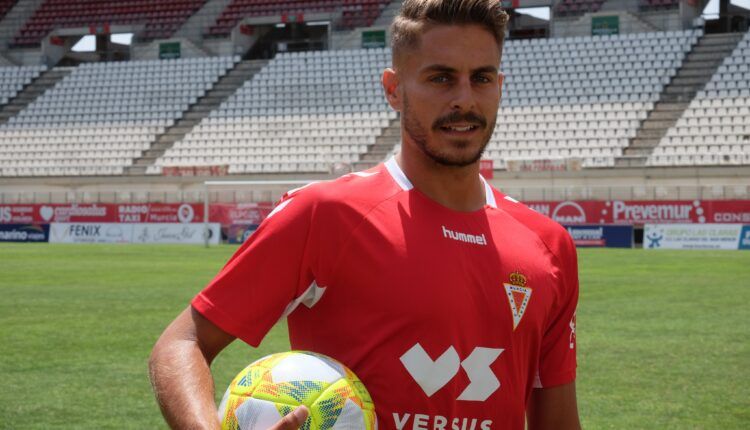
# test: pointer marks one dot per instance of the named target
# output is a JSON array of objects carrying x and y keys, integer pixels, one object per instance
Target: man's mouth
[{"x": 459, "y": 128}]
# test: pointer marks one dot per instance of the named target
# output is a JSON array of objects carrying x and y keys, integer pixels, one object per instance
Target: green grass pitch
[{"x": 664, "y": 337}]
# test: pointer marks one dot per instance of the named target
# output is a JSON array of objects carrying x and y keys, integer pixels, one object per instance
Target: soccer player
[{"x": 454, "y": 303}]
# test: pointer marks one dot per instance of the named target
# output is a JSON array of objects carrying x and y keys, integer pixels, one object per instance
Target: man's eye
[
  {"x": 440, "y": 79},
  {"x": 482, "y": 79}
]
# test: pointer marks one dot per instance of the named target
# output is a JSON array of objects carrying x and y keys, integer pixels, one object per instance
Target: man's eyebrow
[
  {"x": 439, "y": 68},
  {"x": 446, "y": 69},
  {"x": 486, "y": 69}
]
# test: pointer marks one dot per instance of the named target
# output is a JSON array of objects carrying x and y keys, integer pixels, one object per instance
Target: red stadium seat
[
  {"x": 167, "y": 15},
  {"x": 355, "y": 12}
]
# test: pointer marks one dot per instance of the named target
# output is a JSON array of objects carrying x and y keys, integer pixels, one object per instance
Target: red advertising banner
[
  {"x": 239, "y": 213},
  {"x": 646, "y": 211},
  {"x": 564, "y": 212},
  {"x": 226, "y": 214}
]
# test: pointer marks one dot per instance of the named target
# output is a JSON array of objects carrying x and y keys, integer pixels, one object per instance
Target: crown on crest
[{"x": 518, "y": 279}]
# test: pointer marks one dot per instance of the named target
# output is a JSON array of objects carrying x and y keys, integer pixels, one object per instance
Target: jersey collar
[{"x": 398, "y": 175}]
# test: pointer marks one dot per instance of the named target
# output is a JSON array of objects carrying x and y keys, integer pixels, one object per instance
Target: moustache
[{"x": 453, "y": 117}]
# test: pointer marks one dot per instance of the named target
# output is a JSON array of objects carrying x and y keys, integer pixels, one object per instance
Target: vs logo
[{"x": 434, "y": 375}]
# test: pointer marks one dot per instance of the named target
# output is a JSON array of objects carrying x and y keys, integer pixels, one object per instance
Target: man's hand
[{"x": 292, "y": 421}]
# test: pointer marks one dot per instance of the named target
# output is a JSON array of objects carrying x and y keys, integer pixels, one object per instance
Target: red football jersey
[{"x": 449, "y": 318}]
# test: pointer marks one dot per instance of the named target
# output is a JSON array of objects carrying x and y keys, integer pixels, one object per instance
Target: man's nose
[{"x": 463, "y": 97}]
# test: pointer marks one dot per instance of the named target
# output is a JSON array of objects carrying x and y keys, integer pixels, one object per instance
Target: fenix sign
[{"x": 191, "y": 233}]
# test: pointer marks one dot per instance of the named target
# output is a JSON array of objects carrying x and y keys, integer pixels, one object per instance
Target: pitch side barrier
[
  {"x": 602, "y": 236},
  {"x": 616, "y": 223},
  {"x": 697, "y": 236}
]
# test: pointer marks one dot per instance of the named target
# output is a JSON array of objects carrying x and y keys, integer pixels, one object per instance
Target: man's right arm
[{"x": 180, "y": 373}]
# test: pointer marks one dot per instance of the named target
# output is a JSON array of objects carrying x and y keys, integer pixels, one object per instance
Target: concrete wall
[
  {"x": 593, "y": 184},
  {"x": 150, "y": 51},
  {"x": 581, "y": 26}
]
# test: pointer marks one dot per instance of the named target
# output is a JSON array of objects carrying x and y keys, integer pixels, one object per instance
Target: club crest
[{"x": 518, "y": 296}]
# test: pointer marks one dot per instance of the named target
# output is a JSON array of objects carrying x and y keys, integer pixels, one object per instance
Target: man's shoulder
[
  {"x": 356, "y": 192},
  {"x": 554, "y": 235}
]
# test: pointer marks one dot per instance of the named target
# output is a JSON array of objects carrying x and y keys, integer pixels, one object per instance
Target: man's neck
[{"x": 457, "y": 188}]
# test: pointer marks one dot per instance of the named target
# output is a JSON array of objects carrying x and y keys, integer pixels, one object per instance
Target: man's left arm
[
  {"x": 553, "y": 408},
  {"x": 552, "y": 404}
]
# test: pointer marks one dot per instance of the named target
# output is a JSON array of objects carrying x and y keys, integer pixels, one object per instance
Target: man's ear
[
  {"x": 500, "y": 80},
  {"x": 390, "y": 87}
]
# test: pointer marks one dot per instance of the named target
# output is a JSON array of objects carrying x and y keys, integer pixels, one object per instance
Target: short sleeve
[
  {"x": 268, "y": 272},
  {"x": 557, "y": 364}
]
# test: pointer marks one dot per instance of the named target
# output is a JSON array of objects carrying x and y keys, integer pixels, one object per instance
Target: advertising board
[
  {"x": 176, "y": 233},
  {"x": 191, "y": 233},
  {"x": 238, "y": 233},
  {"x": 223, "y": 213},
  {"x": 24, "y": 232},
  {"x": 609, "y": 236},
  {"x": 645, "y": 211},
  {"x": 693, "y": 236}
]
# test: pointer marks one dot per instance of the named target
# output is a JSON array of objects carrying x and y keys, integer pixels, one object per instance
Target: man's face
[{"x": 450, "y": 92}]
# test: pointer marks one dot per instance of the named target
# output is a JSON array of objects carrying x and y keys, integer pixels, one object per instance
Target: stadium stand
[
  {"x": 582, "y": 97},
  {"x": 103, "y": 115},
  {"x": 13, "y": 79},
  {"x": 355, "y": 13},
  {"x": 578, "y": 97},
  {"x": 301, "y": 113},
  {"x": 650, "y": 5},
  {"x": 161, "y": 18},
  {"x": 564, "y": 98},
  {"x": 5, "y": 6},
  {"x": 567, "y": 8},
  {"x": 715, "y": 128}
]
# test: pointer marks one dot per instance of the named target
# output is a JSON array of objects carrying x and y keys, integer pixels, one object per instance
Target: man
[{"x": 453, "y": 303}]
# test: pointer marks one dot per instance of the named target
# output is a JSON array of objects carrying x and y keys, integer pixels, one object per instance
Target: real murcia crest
[{"x": 518, "y": 296}]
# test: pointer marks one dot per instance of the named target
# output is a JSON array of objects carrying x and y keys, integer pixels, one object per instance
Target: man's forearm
[{"x": 182, "y": 382}]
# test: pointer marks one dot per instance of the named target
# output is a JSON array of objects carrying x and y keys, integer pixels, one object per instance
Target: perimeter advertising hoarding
[
  {"x": 176, "y": 233},
  {"x": 745, "y": 237},
  {"x": 609, "y": 236},
  {"x": 24, "y": 232},
  {"x": 573, "y": 212},
  {"x": 191, "y": 233},
  {"x": 695, "y": 236},
  {"x": 630, "y": 212},
  {"x": 223, "y": 213},
  {"x": 238, "y": 233}
]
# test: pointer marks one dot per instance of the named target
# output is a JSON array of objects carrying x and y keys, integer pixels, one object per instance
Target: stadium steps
[
  {"x": 383, "y": 146},
  {"x": 388, "y": 14},
  {"x": 201, "y": 21},
  {"x": 32, "y": 91},
  {"x": 6, "y": 62},
  {"x": 222, "y": 89},
  {"x": 697, "y": 68}
]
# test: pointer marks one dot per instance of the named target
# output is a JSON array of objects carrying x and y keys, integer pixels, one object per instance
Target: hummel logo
[{"x": 464, "y": 237}]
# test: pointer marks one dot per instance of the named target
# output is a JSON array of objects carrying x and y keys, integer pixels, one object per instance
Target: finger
[{"x": 293, "y": 420}]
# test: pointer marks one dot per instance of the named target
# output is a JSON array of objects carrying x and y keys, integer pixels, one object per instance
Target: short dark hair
[{"x": 417, "y": 15}]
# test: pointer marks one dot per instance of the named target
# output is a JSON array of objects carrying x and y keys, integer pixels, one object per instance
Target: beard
[{"x": 418, "y": 133}]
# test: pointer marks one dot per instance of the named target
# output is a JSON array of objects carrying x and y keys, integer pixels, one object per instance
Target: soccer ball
[{"x": 275, "y": 385}]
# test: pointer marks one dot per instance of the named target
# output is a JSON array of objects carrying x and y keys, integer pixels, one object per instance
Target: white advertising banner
[
  {"x": 191, "y": 233},
  {"x": 176, "y": 233},
  {"x": 75, "y": 232},
  {"x": 691, "y": 236}
]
